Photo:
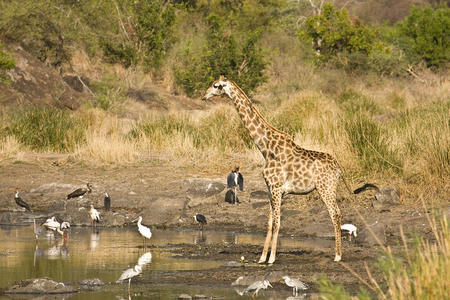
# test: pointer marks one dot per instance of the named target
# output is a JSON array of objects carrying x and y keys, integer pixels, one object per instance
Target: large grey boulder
[
  {"x": 40, "y": 286},
  {"x": 385, "y": 198}
]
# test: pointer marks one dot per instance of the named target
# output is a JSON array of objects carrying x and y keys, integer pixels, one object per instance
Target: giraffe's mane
[{"x": 257, "y": 111}]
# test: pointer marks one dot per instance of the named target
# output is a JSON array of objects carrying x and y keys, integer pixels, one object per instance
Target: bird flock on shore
[{"x": 235, "y": 182}]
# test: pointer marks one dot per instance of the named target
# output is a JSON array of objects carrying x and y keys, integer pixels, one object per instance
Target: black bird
[
  {"x": 20, "y": 202},
  {"x": 80, "y": 192},
  {"x": 201, "y": 219},
  {"x": 231, "y": 197},
  {"x": 107, "y": 202},
  {"x": 235, "y": 179}
]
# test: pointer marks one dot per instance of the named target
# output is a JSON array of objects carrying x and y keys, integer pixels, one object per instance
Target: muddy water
[{"x": 106, "y": 253}]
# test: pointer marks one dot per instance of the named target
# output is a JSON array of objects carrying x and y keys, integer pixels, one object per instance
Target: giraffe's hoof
[
  {"x": 337, "y": 258},
  {"x": 261, "y": 261},
  {"x": 271, "y": 260}
]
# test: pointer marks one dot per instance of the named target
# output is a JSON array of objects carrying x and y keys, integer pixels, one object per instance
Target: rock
[
  {"x": 367, "y": 238},
  {"x": 259, "y": 195},
  {"x": 202, "y": 187},
  {"x": 184, "y": 297},
  {"x": 163, "y": 211},
  {"x": 200, "y": 297},
  {"x": 91, "y": 284},
  {"x": 91, "y": 281},
  {"x": 40, "y": 286},
  {"x": 385, "y": 198}
]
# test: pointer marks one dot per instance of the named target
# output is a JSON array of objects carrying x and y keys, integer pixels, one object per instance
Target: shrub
[
  {"x": 47, "y": 129},
  {"x": 333, "y": 32},
  {"x": 154, "y": 20},
  {"x": 6, "y": 62},
  {"x": 221, "y": 55},
  {"x": 424, "y": 35}
]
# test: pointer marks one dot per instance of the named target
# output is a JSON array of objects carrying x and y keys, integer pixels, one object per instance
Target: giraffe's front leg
[
  {"x": 268, "y": 235},
  {"x": 276, "y": 213}
]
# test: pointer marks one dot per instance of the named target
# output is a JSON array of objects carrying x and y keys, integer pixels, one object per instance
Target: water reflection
[
  {"x": 105, "y": 253},
  {"x": 94, "y": 239}
]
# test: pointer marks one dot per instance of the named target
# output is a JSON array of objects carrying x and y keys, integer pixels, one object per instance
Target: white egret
[
  {"x": 351, "y": 230},
  {"x": 143, "y": 230}
]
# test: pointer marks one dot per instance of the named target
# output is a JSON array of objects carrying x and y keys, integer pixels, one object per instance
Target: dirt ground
[{"x": 168, "y": 197}]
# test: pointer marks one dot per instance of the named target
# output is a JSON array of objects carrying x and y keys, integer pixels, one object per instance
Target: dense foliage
[
  {"x": 222, "y": 55},
  {"x": 425, "y": 35}
]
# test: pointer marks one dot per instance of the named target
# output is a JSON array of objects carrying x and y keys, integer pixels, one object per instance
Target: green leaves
[{"x": 426, "y": 35}]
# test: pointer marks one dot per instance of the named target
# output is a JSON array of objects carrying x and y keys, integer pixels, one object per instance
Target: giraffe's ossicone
[{"x": 289, "y": 168}]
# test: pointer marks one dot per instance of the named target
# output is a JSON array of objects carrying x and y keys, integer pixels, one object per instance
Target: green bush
[
  {"x": 6, "y": 63},
  {"x": 154, "y": 21},
  {"x": 47, "y": 129},
  {"x": 333, "y": 32},
  {"x": 221, "y": 55},
  {"x": 424, "y": 35}
]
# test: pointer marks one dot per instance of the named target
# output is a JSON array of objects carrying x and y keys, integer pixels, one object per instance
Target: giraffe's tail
[{"x": 367, "y": 186}]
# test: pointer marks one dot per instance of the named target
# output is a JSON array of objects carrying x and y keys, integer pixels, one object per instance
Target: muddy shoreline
[{"x": 168, "y": 197}]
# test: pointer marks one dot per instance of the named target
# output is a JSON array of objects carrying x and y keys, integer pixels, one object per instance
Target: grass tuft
[{"x": 47, "y": 129}]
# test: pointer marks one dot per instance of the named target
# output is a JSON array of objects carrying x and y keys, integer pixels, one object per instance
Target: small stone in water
[{"x": 184, "y": 297}]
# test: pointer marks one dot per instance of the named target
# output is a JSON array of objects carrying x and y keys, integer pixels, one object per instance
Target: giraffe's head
[{"x": 219, "y": 87}]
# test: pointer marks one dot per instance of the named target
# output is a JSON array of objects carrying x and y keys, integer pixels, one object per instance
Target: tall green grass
[
  {"x": 46, "y": 129},
  {"x": 369, "y": 139}
]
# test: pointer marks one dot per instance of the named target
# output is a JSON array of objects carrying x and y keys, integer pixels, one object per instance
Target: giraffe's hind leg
[
  {"x": 327, "y": 192},
  {"x": 269, "y": 228},
  {"x": 268, "y": 235}
]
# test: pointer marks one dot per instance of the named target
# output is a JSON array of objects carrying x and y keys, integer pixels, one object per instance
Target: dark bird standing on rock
[
  {"x": 107, "y": 202},
  {"x": 80, "y": 192},
  {"x": 201, "y": 219},
  {"x": 20, "y": 202},
  {"x": 234, "y": 180}
]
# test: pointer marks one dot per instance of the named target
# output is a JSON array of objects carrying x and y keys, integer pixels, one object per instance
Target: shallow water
[{"x": 105, "y": 253}]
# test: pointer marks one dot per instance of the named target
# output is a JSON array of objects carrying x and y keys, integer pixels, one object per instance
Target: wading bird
[
  {"x": 107, "y": 202},
  {"x": 51, "y": 224},
  {"x": 295, "y": 284},
  {"x": 201, "y": 219},
  {"x": 20, "y": 202},
  {"x": 350, "y": 229},
  {"x": 143, "y": 230},
  {"x": 80, "y": 192},
  {"x": 256, "y": 286},
  {"x": 95, "y": 216},
  {"x": 130, "y": 273}
]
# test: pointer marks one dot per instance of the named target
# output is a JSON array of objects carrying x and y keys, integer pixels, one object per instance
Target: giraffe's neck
[{"x": 263, "y": 134}]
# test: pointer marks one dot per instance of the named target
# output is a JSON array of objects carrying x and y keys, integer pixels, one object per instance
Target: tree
[{"x": 424, "y": 35}]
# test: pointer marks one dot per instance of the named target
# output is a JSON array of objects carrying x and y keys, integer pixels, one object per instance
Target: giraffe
[{"x": 289, "y": 168}]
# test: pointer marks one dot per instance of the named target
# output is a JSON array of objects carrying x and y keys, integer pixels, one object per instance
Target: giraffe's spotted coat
[{"x": 289, "y": 169}]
